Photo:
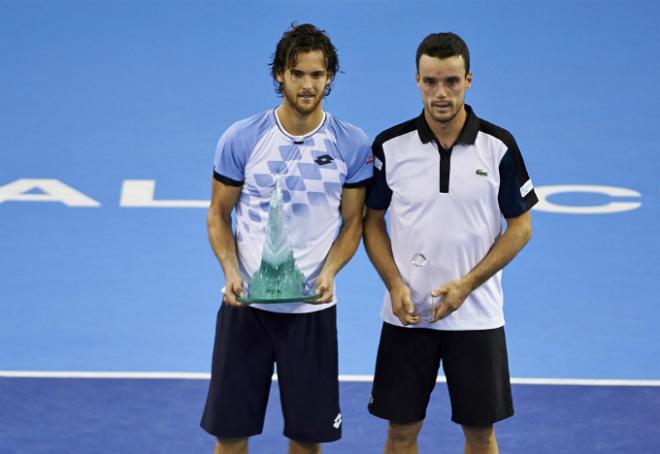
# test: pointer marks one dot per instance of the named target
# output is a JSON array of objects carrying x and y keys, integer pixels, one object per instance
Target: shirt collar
[
  {"x": 467, "y": 136},
  {"x": 298, "y": 138}
]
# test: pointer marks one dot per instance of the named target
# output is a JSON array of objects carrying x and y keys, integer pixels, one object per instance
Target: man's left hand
[
  {"x": 452, "y": 295},
  {"x": 325, "y": 286}
]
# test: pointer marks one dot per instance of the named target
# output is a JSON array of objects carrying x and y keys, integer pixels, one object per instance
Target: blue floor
[{"x": 137, "y": 416}]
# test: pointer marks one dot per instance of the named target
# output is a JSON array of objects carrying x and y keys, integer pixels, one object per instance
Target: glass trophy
[
  {"x": 278, "y": 279},
  {"x": 421, "y": 285}
]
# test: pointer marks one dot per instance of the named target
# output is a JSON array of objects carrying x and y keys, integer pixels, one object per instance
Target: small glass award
[
  {"x": 421, "y": 287},
  {"x": 278, "y": 279}
]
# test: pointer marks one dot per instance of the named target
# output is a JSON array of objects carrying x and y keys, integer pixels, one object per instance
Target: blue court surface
[{"x": 109, "y": 115}]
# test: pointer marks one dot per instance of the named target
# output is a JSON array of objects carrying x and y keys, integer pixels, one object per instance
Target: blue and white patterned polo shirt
[{"x": 312, "y": 169}]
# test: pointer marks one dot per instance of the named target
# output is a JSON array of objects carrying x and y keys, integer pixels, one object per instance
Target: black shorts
[
  {"x": 475, "y": 364},
  {"x": 248, "y": 342}
]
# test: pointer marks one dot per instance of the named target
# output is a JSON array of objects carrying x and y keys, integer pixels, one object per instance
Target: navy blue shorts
[
  {"x": 475, "y": 365},
  {"x": 248, "y": 342}
]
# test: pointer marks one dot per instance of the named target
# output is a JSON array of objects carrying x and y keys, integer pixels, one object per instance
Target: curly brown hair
[{"x": 303, "y": 38}]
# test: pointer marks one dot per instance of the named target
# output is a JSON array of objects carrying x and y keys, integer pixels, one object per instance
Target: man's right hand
[
  {"x": 233, "y": 289},
  {"x": 402, "y": 305}
]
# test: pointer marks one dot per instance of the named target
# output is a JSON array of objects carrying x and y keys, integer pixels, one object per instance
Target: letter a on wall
[{"x": 50, "y": 191}]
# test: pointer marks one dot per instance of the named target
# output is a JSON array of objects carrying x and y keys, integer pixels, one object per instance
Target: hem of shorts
[
  {"x": 484, "y": 422},
  {"x": 394, "y": 420},
  {"x": 309, "y": 440},
  {"x": 444, "y": 328},
  {"x": 219, "y": 436}
]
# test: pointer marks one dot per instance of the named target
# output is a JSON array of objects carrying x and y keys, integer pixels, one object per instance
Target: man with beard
[
  {"x": 318, "y": 166},
  {"x": 450, "y": 180}
]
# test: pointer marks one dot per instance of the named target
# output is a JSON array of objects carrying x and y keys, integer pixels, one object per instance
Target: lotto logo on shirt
[{"x": 323, "y": 160}]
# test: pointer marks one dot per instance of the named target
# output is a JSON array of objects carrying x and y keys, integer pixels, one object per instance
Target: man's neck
[
  {"x": 298, "y": 124},
  {"x": 447, "y": 133}
]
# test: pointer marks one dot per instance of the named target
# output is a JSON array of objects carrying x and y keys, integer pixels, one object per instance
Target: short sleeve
[
  {"x": 230, "y": 159},
  {"x": 379, "y": 193},
  {"x": 360, "y": 163},
  {"x": 237, "y": 144},
  {"x": 516, "y": 194}
]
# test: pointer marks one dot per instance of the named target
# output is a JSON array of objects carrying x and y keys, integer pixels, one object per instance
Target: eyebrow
[
  {"x": 435, "y": 79},
  {"x": 319, "y": 71}
]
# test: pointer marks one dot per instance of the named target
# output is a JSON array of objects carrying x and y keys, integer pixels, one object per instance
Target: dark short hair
[
  {"x": 303, "y": 38},
  {"x": 444, "y": 45}
]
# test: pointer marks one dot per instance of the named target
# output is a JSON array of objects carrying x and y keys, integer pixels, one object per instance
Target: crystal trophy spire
[
  {"x": 278, "y": 279},
  {"x": 421, "y": 287}
]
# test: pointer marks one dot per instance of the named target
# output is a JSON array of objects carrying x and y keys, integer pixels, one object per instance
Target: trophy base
[{"x": 290, "y": 299}]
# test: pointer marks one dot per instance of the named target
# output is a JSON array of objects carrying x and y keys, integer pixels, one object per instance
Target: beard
[
  {"x": 445, "y": 118},
  {"x": 300, "y": 106}
]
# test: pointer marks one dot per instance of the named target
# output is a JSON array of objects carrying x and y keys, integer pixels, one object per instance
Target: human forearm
[
  {"x": 344, "y": 247},
  {"x": 378, "y": 245},
  {"x": 222, "y": 241},
  {"x": 345, "y": 244},
  {"x": 507, "y": 246},
  {"x": 348, "y": 239},
  {"x": 379, "y": 248},
  {"x": 221, "y": 237}
]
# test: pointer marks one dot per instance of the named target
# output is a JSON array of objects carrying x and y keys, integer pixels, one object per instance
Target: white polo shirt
[
  {"x": 449, "y": 205},
  {"x": 313, "y": 170}
]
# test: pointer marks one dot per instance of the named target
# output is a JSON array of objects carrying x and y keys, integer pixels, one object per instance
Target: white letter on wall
[
  {"x": 544, "y": 192},
  {"x": 52, "y": 191},
  {"x": 140, "y": 193}
]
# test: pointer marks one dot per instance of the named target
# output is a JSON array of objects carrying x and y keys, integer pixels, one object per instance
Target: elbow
[
  {"x": 211, "y": 217},
  {"x": 370, "y": 234},
  {"x": 526, "y": 233},
  {"x": 355, "y": 230},
  {"x": 216, "y": 217},
  {"x": 521, "y": 228},
  {"x": 367, "y": 224},
  {"x": 366, "y": 229}
]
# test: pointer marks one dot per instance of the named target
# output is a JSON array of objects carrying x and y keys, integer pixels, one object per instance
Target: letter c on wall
[{"x": 543, "y": 192}]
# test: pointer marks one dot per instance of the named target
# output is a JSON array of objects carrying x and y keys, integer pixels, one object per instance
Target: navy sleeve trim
[
  {"x": 379, "y": 194},
  {"x": 226, "y": 180},
  {"x": 359, "y": 184},
  {"x": 513, "y": 177}
]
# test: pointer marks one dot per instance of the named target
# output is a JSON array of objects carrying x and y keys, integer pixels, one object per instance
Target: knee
[
  {"x": 481, "y": 436},
  {"x": 299, "y": 447},
  {"x": 403, "y": 435},
  {"x": 231, "y": 446}
]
